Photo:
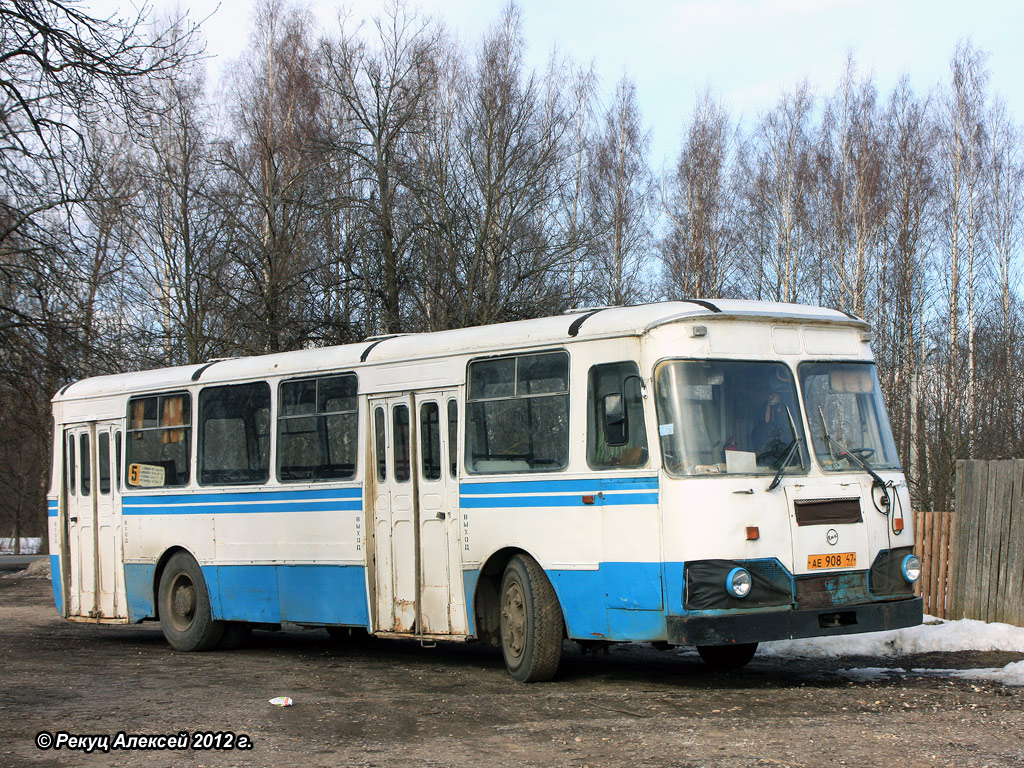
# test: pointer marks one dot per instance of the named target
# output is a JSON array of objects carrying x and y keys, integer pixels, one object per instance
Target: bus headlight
[
  {"x": 737, "y": 583},
  {"x": 911, "y": 568}
]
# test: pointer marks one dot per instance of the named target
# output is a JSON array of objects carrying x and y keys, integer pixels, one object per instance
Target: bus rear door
[{"x": 93, "y": 522}]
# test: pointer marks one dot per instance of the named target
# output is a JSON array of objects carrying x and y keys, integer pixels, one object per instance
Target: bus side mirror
[{"x": 616, "y": 425}]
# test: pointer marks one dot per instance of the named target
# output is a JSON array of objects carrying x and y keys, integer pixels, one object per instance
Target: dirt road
[{"x": 392, "y": 703}]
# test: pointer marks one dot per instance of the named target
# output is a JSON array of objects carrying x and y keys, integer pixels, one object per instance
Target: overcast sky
[{"x": 746, "y": 50}]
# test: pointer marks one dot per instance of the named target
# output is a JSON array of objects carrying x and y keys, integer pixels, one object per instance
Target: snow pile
[
  {"x": 935, "y": 636},
  {"x": 39, "y": 569}
]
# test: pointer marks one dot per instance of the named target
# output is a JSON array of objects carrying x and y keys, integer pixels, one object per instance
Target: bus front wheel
[
  {"x": 531, "y": 622},
  {"x": 185, "y": 607},
  {"x": 727, "y": 657}
]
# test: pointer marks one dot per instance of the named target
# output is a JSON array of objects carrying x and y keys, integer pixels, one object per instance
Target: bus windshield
[
  {"x": 847, "y": 416},
  {"x": 725, "y": 417}
]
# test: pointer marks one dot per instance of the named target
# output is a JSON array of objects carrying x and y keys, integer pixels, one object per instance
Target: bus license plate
[{"x": 838, "y": 560}]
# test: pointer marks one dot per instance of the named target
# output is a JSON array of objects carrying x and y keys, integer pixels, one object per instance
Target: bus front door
[
  {"x": 412, "y": 513},
  {"x": 96, "y": 587}
]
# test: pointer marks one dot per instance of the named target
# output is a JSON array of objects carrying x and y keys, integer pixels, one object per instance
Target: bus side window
[
  {"x": 616, "y": 432},
  {"x": 159, "y": 441},
  {"x": 453, "y": 437},
  {"x": 234, "y": 434},
  {"x": 317, "y": 426},
  {"x": 517, "y": 414}
]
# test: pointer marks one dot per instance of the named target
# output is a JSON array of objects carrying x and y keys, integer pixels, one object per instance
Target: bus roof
[{"x": 582, "y": 324}]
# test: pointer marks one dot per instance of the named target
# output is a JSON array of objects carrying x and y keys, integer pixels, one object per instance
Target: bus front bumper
[{"x": 757, "y": 627}]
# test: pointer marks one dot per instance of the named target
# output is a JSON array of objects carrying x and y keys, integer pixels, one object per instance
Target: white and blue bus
[{"x": 715, "y": 474}]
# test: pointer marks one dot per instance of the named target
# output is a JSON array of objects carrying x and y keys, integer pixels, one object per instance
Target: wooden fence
[
  {"x": 934, "y": 545},
  {"x": 986, "y": 542}
]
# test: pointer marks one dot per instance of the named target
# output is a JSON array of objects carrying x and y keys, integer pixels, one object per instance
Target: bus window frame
[
  {"x": 187, "y": 427},
  {"x": 469, "y": 401},
  {"x": 316, "y": 414}
]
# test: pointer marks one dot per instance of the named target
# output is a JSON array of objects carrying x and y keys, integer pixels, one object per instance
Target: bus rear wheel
[
  {"x": 531, "y": 622},
  {"x": 185, "y": 607},
  {"x": 727, "y": 657}
]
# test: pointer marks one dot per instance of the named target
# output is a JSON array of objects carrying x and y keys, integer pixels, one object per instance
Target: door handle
[
  {"x": 441, "y": 515},
  {"x": 74, "y": 519}
]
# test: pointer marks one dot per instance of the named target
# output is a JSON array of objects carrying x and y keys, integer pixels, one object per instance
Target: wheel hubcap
[
  {"x": 182, "y": 602},
  {"x": 513, "y": 619}
]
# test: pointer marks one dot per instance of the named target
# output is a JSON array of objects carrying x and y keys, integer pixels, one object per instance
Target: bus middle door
[
  {"x": 394, "y": 515},
  {"x": 415, "y": 503}
]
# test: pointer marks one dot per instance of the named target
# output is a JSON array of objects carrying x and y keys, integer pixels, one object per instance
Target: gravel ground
[{"x": 393, "y": 703}]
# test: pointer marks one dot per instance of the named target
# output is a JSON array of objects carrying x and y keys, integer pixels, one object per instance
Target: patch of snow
[
  {"x": 1011, "y": 674},
  {"x": 934, "y": 636},
  {"x": 871, "y": 674},
  {"x": 29, "y": 545}
]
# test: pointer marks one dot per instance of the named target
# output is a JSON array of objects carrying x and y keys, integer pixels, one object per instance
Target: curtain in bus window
[
  {"x": 173, "y": 416},
  {"x": 138, "y": 415}
]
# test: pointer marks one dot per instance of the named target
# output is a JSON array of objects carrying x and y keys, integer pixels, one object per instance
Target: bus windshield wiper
[
  {"x": 794, "y": 444},
  {"x": 846, "y": 452}
]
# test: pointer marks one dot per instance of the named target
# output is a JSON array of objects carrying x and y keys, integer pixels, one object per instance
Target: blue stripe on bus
[
  {"x": 314, "y": 594},
  {"x": 610, "y": 500},
  {"x": 255, "y": 506},
  {"x": 58, "y": 583},
  {"x": 52, "y": 508},
  {"x": 559, "y": 486},
  {"x": 139, "y": 591},
  {"x": 325, "y": 500},
  {"x": 236, "y": 497},
  {"x": 617, "y": 601}
]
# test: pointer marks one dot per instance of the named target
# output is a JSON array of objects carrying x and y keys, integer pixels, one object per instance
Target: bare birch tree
[
  {"x": 275, "y": 170},
  {"x": 776, "y": 231},
  {"x": 963, "y": 154},
  {"x": 698, "y": 251},
  {"x": 621, "y": 199},
  {"x": 383, "y": 86},
  {"x": 849, "y": 170}
]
